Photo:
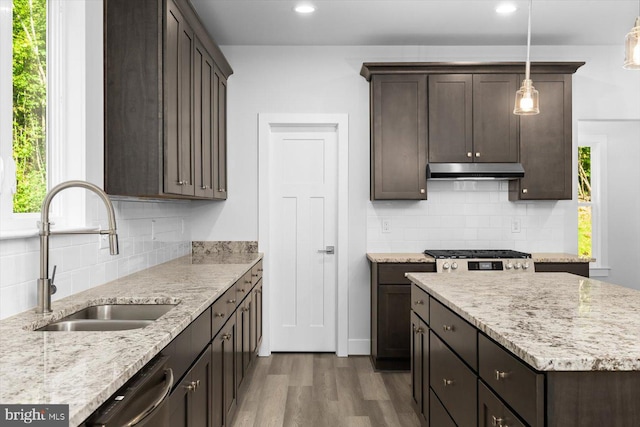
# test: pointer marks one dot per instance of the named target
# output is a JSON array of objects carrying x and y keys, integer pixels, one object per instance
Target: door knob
[{"x": 329, "y": 251}]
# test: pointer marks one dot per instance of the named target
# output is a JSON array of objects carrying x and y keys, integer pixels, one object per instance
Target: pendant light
[
  {"x": 632, "y": 46},
  {"x": 527, "y": 96}
]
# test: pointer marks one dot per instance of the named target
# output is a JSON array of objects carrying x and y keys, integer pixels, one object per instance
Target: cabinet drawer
[
  {"x": 455, "y": 331},
  {"x": 420, "y": 302},
  {"x": 243, "y": 287},
  {"x": 491, "y": 410},
  {"x": 515, "y": 383},
  {"x": 453, "y": 382},
  {"x": 393, "y": 274},
  {"x": 222, "y": 310},
  {"x": 438, "y": 416},
  {"x": 256, "y": 273}
]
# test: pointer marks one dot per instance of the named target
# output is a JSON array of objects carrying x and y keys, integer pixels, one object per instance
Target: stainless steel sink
[{"x": 110, "y": 317}]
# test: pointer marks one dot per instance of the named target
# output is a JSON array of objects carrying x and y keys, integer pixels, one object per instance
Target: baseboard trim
[{"x": 359, "y": 347}]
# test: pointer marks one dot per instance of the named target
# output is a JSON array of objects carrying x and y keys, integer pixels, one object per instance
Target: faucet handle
[{"x": 53, "y": 288}]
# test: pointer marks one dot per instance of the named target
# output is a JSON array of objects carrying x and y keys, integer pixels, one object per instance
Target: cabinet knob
[
  {"x": 222, "y": 190},
  {"x": 248, "y": 282},
  {"x": 525, "y": 191},
  {"x": 422, "y": 191},
  {"x": 240, "y": 290},
  {"x": 419, "y": 302},
  {"x": 255, "y": 275},
  {"x": 219, "y": 314},
  {"x": 180, "y": 182},
  {"x": 497, "y": 422},
  {"x": 447, "y": 328},
  {"x": 477, "y": 154},
  {"x": 500, "y": 375},
  {"x": 231, "y": 301},
  {"x": 204, "y": 187},
  {"x": 447, "y": 382},
  {"x": 469, "y": 154},
  {"x": 225, "y": 337}
]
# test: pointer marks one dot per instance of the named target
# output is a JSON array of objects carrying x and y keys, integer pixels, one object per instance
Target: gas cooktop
[{"x": 476, "y": 254}]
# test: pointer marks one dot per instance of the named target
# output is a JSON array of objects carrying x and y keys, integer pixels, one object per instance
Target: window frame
[
  {"x": 66, "y": 116},
  {"x": 599, "y": 250}
]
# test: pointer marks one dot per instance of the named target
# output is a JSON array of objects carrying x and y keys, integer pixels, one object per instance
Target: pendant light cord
[{"x": 528, "y": 64}]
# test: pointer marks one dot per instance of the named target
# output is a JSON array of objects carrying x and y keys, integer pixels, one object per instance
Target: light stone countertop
[
  {"x": 83, "y": 369},
  {"x": 422, "y": 258},
  {"x": 552, "y": 321}
]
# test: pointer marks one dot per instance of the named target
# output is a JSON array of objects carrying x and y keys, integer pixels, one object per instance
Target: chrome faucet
[{"x": 45, "y": 284}]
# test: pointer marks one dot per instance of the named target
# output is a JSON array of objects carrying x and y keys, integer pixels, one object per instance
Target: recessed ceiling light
[
  {"x": 506, "y": 8},
  {"x": 304, "y": 8}
]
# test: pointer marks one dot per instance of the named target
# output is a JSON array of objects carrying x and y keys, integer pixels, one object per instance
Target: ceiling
[{"x": 417, "y": 22}]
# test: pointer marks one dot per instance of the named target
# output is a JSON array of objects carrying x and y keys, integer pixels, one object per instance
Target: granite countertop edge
[
  {"x": 524, "y": 344},
  {"x": 399, "y": 257},
  {"x": 83, "y": 369}
]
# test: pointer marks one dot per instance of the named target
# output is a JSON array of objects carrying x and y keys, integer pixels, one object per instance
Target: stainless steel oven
[{"x": 142, "y": 402}]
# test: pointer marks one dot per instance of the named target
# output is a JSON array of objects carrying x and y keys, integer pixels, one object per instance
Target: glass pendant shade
[
  {"x": 632, "y": 48},
  {"x": 527, "y": 102}
]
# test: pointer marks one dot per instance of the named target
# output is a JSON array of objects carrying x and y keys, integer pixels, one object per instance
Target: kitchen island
[
  {"x": 549, "y": 349},
  {"x": 83, "y": 369}
]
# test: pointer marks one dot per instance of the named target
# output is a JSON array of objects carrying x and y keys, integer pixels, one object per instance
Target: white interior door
[{"x": 303, "y": 212}]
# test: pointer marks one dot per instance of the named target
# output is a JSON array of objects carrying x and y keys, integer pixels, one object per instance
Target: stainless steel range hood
[{"x": 474, "y": 171}]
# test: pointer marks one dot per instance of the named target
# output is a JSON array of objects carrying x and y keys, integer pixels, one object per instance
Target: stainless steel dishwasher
[{"x": 141, "y": 402}]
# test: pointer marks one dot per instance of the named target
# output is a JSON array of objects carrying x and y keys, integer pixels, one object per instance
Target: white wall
[{"x": 288, "y": 79}]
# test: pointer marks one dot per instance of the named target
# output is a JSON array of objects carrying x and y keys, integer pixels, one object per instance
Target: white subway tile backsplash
[
  {"x": 81, "y": 263},
  {"x": 468, "y": 214}
]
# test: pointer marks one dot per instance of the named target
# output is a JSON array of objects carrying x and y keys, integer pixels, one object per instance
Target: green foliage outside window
[
  {"x": 29, "y": 103},
  {"x": 584, "y": 195}
]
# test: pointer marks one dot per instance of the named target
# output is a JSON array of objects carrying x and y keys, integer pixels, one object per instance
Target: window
[
  {"x": 592, "y": 201},
  {"x": 585, "y": 207},
  {"x": 58, "y": 43}
]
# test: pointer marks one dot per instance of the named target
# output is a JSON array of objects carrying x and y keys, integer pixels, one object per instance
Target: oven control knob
[
  {"x": 517, "y": 266},
  {"x": 508, "y": 265},
  {"x": 445, "y": 265},
  {"x": 525, "y": 265},
  {"x": 454, "y": 265}
]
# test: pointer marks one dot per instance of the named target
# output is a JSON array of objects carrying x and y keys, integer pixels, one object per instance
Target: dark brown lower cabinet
[
  {"x": 390, "y": 319},
  {"x": 224, "y": 396},
  {"x": 420, "y": 368},
  {"x": 189, "y": 403},
  {"x": 438, "y": 415},
  {"x": 492, "y": 412}
]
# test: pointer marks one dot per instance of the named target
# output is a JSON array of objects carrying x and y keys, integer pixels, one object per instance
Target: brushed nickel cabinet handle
[
  {"x": 497, "y": 422},
  {"x": 260, "y": 270},
  {"x": 422, "y": 191},
  {"x": 419, "y": 302},
  {"x": 219, "y": 314},
  {"x": 240, "y": 290},
  {"x": 469, "y": 154},
  {"x": 225, "y": 337},
  {"x": 193, "y": 385},
  {"x": 255, "y": 275},
  {"x": 447, "y": 382},
  {"x": 500, "y": 375},
  {"x": 525, "y": 191},
  {"x": 478, "y": 154},
  {"x": 231, "y": 301},
  {"x": 447, "y": 328}
]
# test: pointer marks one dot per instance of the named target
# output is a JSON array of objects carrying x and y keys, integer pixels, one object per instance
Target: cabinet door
[
  {"x": 420, "y": 368},
  {"x": 492, "y": 412},
  {"x": 253, "y": 345},
  {"x": 220, "y": 135},
  {"x": 545, "y": 143},
  {"x": 394, "y": 323},
  {"x": 203, "y": 108},
  {"x": 450, "y": 118},
  {"x": 399, "y": 137},
  {"x": 178, "y": 154},
  {"x": 217, "y": 380},
  {"x": 495, "y": 127},
  {"x": 201, "y": 392},
  {"x": 258, "y": 317},
  {"x": 230, "y": 389}
]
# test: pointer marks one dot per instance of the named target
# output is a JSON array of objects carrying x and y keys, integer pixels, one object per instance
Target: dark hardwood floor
[{"x": 318, "y": 389}]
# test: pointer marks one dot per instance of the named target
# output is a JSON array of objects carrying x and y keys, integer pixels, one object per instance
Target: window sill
[{"x": 34, "y": 232}]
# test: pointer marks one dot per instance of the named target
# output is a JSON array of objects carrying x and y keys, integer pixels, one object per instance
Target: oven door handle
[{"x": 168, "y": 374}]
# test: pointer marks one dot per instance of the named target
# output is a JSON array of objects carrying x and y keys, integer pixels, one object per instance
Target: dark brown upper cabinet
[
  {"x": 471, "y": 119},
  {"x": 399, "y": 137},
  {"x": 466, "y": 115},
  {"x": 165, "y": 102},
  {"x": 546, "y": 144}
]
